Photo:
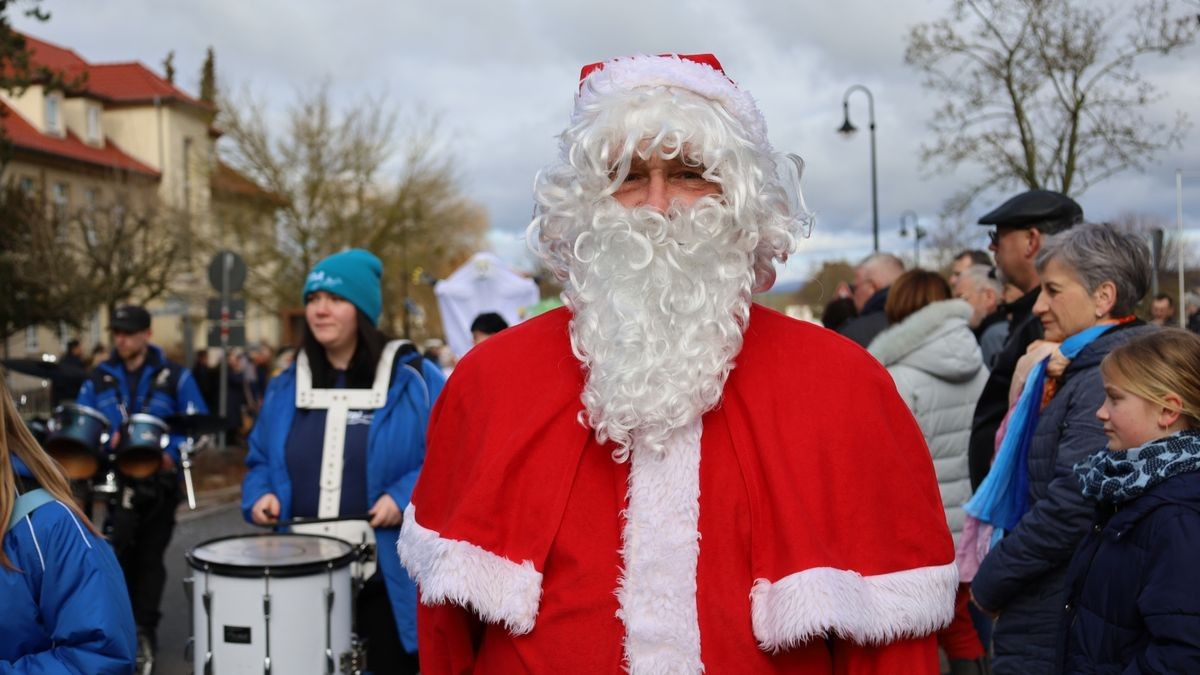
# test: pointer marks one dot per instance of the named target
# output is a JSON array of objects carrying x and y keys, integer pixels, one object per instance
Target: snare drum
[
  {"x": 140, "y": 452},
  {"x": 271, "y": 603},
  {"x": 74, "y": 437}
]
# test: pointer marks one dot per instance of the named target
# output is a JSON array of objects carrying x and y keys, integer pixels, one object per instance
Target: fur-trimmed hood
[{"x": 936, "y": 339}]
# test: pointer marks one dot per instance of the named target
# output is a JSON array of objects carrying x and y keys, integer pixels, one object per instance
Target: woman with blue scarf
[
  {"x": 1092, "y": 278},
  {"x": 1132, "y": 603}
]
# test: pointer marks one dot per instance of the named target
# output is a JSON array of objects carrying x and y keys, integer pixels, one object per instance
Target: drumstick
[{"x": 311, "y": 521}]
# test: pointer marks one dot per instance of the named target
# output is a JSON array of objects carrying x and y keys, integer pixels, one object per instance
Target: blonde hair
[
  {"x": 16, "y": 440},
  {"x": 1156, "y": 365}
]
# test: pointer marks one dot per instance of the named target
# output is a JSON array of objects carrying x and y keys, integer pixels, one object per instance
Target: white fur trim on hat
[
  {"x": 867, "y": 610},
  {"x": 448, "y": 570},
  {"x": 672, "y": 71}
]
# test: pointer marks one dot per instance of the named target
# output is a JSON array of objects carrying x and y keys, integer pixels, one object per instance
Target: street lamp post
[
  {"x": 1179, "y": 175},
  {"x": 918, "y": 233},
  {"x": 848, "y": 129}
]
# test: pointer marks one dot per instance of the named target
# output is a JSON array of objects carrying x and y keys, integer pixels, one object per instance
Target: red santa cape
[{"x": 820, "y": 540}]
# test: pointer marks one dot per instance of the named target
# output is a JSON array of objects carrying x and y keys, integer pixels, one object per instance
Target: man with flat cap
[{"x": 1021, "y": 225}]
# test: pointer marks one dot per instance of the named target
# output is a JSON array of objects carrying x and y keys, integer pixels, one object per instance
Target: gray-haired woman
[{"x": 1092, "y": 276}]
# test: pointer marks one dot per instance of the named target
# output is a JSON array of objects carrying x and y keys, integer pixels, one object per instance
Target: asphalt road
[{"x": 194, "y": 527}]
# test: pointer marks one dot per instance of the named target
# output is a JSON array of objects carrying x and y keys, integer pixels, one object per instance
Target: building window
[
  {"x": 52, "y": 116},
  {"x": 187, "y": 175},
  {"x": 90, "y": 197},
  {"x": 26, "y": 184},
  {"x": 60, "y": 196},
  {"x": 93, "y": 124},
  {"x": 31, "y": 339}
]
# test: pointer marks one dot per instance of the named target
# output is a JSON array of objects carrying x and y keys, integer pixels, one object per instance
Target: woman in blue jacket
[
  {"x": 63, "y": 603},
  {"x": 1132, "y": 604},
  {"x": 315, "y": 454}
]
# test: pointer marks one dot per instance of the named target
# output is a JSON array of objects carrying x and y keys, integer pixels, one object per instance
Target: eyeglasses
[{"x": 994, "y": 236}]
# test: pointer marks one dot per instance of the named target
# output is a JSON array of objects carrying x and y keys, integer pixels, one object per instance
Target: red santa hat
[{"x": 699, "y": 73}]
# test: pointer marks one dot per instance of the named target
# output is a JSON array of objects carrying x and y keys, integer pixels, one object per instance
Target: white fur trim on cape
[
  {"x": 671, "y": 71},
  {"x": 661, "y": 548},
  {"x": 868, "y": 610},
  {"x": 448, "y": 570}
]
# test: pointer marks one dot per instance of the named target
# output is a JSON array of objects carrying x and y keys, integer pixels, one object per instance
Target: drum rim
[
  {"x": 278, "y": 571},
  {"x": 87, "y": 410},
  {"x": 147, "y": 418}
]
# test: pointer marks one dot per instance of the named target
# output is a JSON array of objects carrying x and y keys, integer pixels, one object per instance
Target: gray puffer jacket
[
  {"x": 1023, "y": 577},
  {"x": 938, "y": 368}
]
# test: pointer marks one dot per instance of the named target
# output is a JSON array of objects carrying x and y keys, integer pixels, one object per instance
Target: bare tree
[
  {"x": 329, "y": 170},
  {"x": 126, "y": 251},
  {"x": 1045, "y": 93}
]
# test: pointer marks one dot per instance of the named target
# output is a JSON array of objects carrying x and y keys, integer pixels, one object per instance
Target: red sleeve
[
  {"x": 448, "y": 636},
  {"x": 915, "y": 657}
]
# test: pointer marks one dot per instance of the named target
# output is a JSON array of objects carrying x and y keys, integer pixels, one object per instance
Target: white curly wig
[{"x": 660, "y": 300}]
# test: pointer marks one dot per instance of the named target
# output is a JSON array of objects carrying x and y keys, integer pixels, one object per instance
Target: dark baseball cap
[
  {"x": 1046, "y": 210},
  {"x": 130, "y": 319}
]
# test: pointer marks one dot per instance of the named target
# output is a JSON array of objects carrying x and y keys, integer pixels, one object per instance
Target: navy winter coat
[
  {"x": 1133, "y": 606},
  {"x": 1023, "y": 577}
]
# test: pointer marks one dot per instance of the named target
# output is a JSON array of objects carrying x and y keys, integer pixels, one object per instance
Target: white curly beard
[{"x": 659, "y": 304}]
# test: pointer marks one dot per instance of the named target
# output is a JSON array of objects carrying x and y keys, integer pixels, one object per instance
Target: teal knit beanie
[{"x": 353, "y": 275}]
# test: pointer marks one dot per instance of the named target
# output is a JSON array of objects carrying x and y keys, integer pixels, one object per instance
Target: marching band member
[
  {"x": 342, "y": 433},
  {"x": 65, "y": 607},
  {"x": 138, "y": 378}
]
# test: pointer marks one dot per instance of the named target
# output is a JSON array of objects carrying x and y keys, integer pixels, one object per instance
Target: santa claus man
[{"x": 662, "y": 476}]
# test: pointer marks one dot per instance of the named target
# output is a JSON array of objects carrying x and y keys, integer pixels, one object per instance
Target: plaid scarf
[{"x": 1124, "y": 475}]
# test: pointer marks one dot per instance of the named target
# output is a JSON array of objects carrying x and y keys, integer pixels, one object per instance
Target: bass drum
[{"x": 277, "y": 603}]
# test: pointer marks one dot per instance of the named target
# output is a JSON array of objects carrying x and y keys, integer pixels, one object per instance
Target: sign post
[{"x": 227, "y": 274}]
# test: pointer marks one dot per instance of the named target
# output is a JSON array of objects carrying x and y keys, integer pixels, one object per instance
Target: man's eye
[{"x": 690, "y": 176}]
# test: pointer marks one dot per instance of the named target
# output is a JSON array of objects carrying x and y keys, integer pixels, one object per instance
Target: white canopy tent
[{"x": 483, "y": 284}]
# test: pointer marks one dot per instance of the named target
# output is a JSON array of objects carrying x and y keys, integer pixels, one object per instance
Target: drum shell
[
  {"x": 298, "y": 611},
  {"x": 74, "y": 437},
  {"x": 139, "y": 453}
]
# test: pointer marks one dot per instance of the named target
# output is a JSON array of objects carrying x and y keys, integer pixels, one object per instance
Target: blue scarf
[
  {"x": 1124, "y": 475},
  {"x": 1003, "y": 497}
]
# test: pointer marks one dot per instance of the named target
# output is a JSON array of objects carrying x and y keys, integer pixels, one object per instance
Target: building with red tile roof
[{"x": 106, "y": 133}]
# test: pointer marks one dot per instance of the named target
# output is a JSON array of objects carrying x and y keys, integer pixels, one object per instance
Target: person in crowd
[
  {"x": 206, "y": 375},
  {"x": 978, "y": 285},
  {"x": 1191, "y": 305},
  {"x": 1092, "y": 278},
  {"x": 262, "y": 356},
  {"x": 99, "y": 355},
  {"x": 283, "y": 361},
  {"x": 1162, "y": 310},
  {"x": 65, "y": 607},
  {"x": 376, "y": 445},
  {"x": 486, "y": 325},
  {"x": 1021, "y": 225},
  {"x": 872, "y": 277},
  {"x": 72, "y": 370},
  {"x": 931, "y": 353},
  {"x": 239, "y": 381},
  {"x": 586, "y": 505},
  {"x": 965, "y": 259},
  {"x": 137, "y": 378},
  {"x": 1132, "y": 604},
  {"x": 837, "y": 313}
]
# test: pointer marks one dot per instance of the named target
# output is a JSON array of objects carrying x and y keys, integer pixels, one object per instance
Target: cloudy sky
[{"x": 501, "y": 74}]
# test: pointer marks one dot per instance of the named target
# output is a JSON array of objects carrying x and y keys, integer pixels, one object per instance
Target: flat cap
[{"x": 1046, "y": 210}]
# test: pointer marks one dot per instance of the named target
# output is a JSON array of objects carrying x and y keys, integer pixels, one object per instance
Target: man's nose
[{"x": 657, "y": 196}]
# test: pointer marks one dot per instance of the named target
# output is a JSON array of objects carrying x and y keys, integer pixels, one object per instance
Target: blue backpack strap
[{"x": 25, "y": 505}]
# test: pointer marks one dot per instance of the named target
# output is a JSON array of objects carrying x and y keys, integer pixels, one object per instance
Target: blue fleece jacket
[
  {"x": 64, "y": 608},
  {"x": 395, "y": 453}
]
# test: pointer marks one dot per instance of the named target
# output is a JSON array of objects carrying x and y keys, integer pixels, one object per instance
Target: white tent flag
[{"x": 483, "y": 284}]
